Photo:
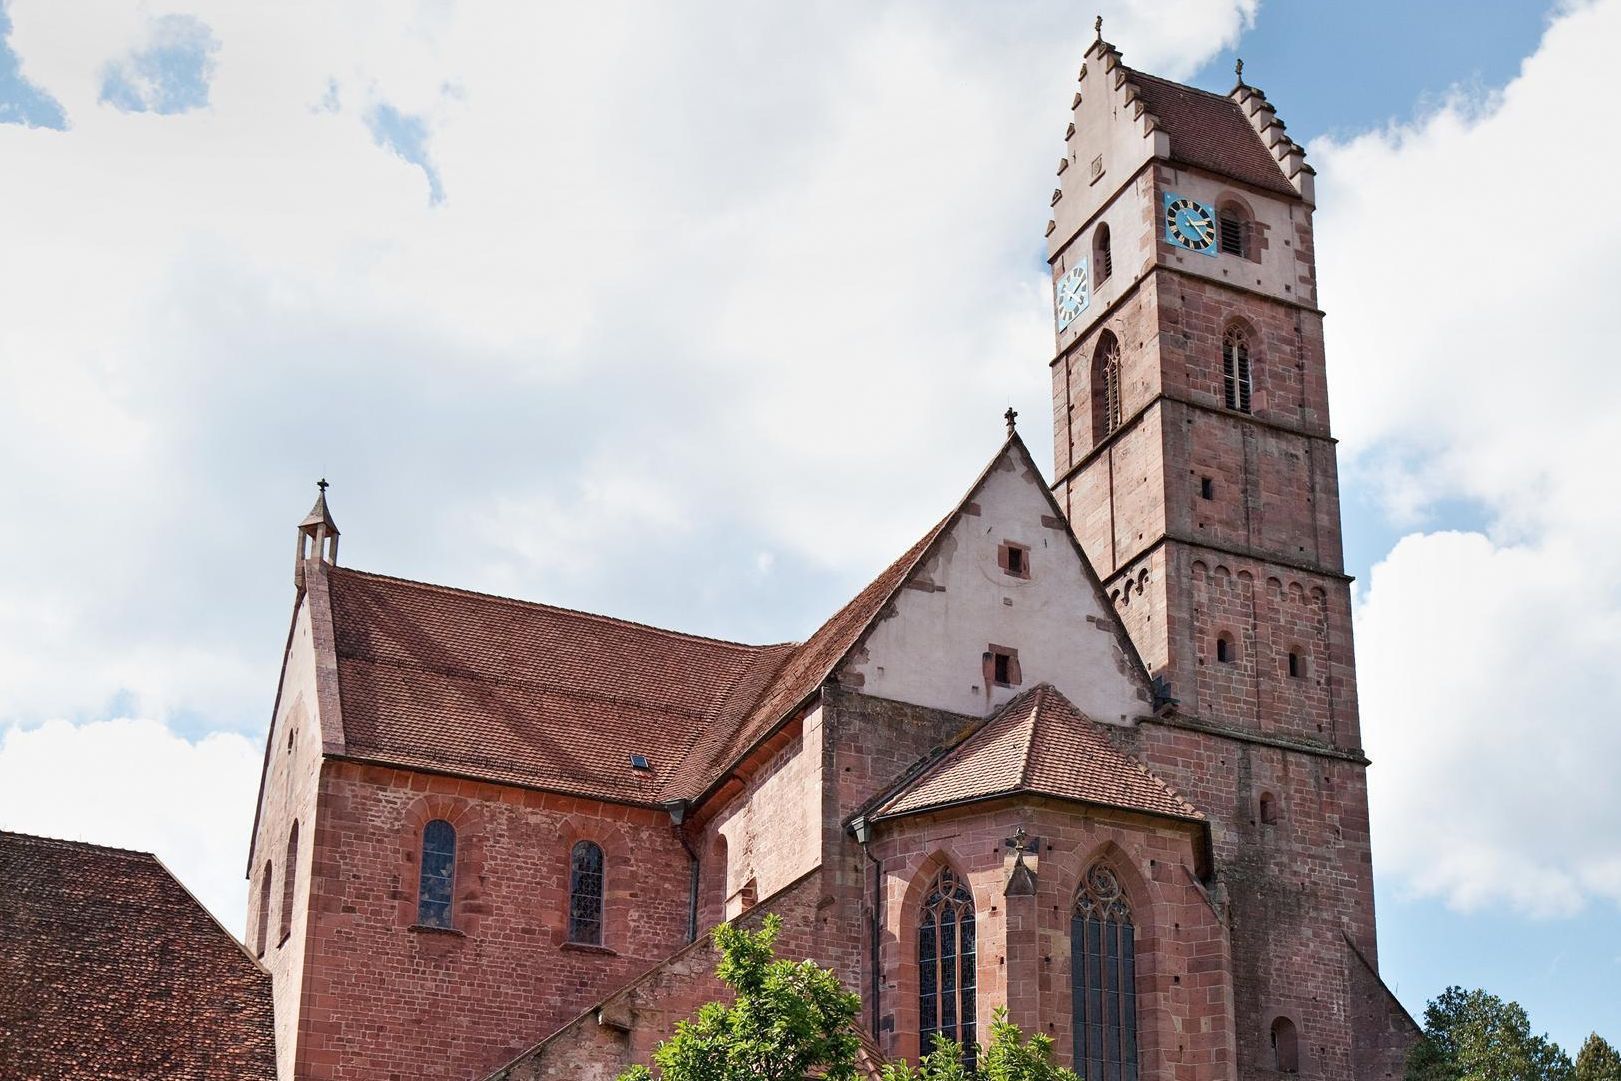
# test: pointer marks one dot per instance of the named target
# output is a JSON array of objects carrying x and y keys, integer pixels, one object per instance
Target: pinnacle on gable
[{"x": 317, "y": 536}]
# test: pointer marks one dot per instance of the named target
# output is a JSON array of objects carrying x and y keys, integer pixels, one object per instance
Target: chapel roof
[
  {"x": 1038, "y": 744},
  {"x": 1209, "y": 131},
  {"x": 112, "y": 969}
]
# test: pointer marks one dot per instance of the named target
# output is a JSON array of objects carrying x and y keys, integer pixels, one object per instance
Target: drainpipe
[
  {"x": 678, "y": 814},
  {"x": 862, "y": 829}
]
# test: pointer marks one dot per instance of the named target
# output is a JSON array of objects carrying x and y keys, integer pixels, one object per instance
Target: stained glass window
[
  {"x": 438, "y": 874},
  {"x": 946, "y": 959},
  {"x": 1103, "y": 979},
  {"x": 585, "y": 894}
]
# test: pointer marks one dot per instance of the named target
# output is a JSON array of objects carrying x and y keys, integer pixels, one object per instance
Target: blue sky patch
[
  {"x": 407, "y": 136},
  {"x": 21, "y": 102},
  {"x": 169, "y": 75}
]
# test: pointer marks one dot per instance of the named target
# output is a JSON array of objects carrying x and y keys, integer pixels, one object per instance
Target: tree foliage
[
  {"x": 1476, "y": 1036},
  {"x": 1008, "y": 1057},
  {"x": 790, "y": 1020},
  {"x": 1598, "y": 1061}
]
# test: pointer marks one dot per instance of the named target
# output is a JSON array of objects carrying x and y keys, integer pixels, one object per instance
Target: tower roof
[
  {"x": 1210, "y": 131},
  {"x": 319, "y": 515}
]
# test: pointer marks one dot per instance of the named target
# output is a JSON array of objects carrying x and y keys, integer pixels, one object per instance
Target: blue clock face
[
  {"x": 1190, "y": 224},
  {"x": 1073, "y": 293}
]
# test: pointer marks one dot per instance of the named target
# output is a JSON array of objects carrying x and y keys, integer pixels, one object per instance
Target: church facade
[{"x": 1088, "y": 751}]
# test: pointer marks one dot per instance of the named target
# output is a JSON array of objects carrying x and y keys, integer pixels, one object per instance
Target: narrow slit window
[
  {"x": 1224, "y": 649},
  {"x": 438, "y": 874},
  {"x": 585, "y": 894},
  {"x": 264, "y": 909},
  {"x": 1102, "y": 257},
  {"x": 1207, "y": 488},
  {"x": 289, "y": 880},
  {"x": 1297, "y": 665},
  {"x": 1235, "y": 369}
]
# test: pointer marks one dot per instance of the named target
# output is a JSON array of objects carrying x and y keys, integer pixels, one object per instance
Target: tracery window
[
  {"x": 585, "y": 894},
  {"x": 1106, "y": 409},
  {"x": 1235, "y": 368},
  {"x": 1103, "y": 979},
  {"x": 438, "y": 874},
  {"x": 946, "y": 960}
]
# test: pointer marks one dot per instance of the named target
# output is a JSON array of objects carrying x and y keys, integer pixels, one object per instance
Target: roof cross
[
  {"x": 1098, "y": 26},
  {"x": 1239, "y": 68},
  {"x": 1012, "y": 418},
  {"x": 323, "y": 485}
]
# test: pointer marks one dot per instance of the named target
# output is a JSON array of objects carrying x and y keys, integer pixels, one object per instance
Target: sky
[{"x": 701, "y": 317}]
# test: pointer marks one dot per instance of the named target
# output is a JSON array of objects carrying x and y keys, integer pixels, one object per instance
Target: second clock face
[
  {"x": 1073, "y": 293},
  {"x": 1190, "y": 224}
]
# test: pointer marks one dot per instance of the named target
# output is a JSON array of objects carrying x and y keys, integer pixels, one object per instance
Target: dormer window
[{"x": 1014, "y": 559}]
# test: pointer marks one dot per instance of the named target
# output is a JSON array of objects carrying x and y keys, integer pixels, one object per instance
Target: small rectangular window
[
  {"x": 1003, "y": 672},
  {"x": 1015, "y": 561},
  {"x": 1207, "y": 488}
]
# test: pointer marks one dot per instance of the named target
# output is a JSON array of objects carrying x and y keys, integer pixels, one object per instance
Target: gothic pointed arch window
[
  {"x": 438, "y": 874},
  {"x": 1106, "y": 407},
  {"x": 1235, "y": 368},
  {"x": 585, "y": 894},
  {"x": 946, "y": 958},
  {"x": 1103, "y": 979}
]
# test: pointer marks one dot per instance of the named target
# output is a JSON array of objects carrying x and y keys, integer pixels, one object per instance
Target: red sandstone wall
[{"x": 383, "y": 998}]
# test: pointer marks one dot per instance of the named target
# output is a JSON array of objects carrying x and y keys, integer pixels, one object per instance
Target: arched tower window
[
  {"x": 289, "y": 879},
  {"x": 1102, "y": 257},
  {"x": 945, "y": 961},
  {"x": 1106, "y": 412},
  {"x": 264, "y": 909},
  {"x": 1235, "y": 368},
  {"x": 1286, "y": 1045},
  {"x": 1103, "y": 979},
  {"x": 1224, "y": 649},
  {"x": 438, "y": 874},
  {"x": 1232, "y": 226},
  {"x": 585, "y": 894}
]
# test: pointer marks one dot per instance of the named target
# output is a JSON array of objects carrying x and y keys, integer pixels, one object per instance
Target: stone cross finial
[
  {"x": 1020, "y": 841},
  {"x": 1012, "y": 418},
  {"x": 1098, "y": 26}
]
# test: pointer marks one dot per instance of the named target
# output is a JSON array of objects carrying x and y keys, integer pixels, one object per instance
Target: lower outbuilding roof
[{"x": 109, "y": 968}]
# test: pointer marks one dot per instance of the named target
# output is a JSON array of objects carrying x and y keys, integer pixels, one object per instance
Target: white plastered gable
[{"x": 928, "y": 646}]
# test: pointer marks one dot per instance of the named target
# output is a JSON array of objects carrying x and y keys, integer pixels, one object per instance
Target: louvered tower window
[
  {"x": 1102, "y": 257},
  {"x": 585, "y": 894},
  {"x": 1104, "y": 979},
  {"x": 1235, "y": 368},
  {"x": 1231, "y": 227},
  {"x": 1106, "y": 407},
  {"x": 945, "y": 959}
]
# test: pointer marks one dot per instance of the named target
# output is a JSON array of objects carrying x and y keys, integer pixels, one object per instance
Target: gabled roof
[
  {"x": 1209, "y": 131},
  {"x": 516, "y": 692},
  {"x": 1038, "y": 744},
  {"x": 109, "y": 968}
]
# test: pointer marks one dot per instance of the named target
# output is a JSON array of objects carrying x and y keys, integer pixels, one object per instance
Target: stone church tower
[{"x": 1195, "y": 463}]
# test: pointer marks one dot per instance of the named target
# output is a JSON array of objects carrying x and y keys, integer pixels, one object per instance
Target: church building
[{"x": 1089, "y": 750}]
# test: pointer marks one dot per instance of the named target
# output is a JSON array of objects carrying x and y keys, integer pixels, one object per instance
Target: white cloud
[
  {"x": 1471, "y": 280},
  {"x": 136, "y": 784}
]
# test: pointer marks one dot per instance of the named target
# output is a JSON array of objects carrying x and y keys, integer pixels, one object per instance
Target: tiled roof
[
  {"x": 1040, "y": 744},
  {"x": 1210, "y": 131},
  {"x": 110, "y": 969},
  {"x": 523, "y": 693}
]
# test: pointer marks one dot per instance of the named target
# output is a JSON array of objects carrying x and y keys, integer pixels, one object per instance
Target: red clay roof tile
[
  {"x": 109, "y": 968},
  {"x": 1211, "y": 132}
]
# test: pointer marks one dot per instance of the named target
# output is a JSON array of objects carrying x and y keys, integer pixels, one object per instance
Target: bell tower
[{"x": 1195, "y": 462}]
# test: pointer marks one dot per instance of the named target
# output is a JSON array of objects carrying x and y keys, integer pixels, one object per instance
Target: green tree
[
  {"x": 1008, "y": 1057},
  {"x": 1598, "y": 1061},
  {"x": 790, "y": 1020},
  {"x": 1476, "y": 1036}
]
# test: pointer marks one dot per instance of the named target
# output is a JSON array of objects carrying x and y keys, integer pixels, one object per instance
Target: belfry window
[
  {"x": 1224, "y": 649},
  {"x": 585, "y": 894},
  {"x": 438, "y": 875},
  {"x": 1106, "y": 407},
  {"x": 1232, "y": 227},
  {"x": 945, "y": 960},
  {"x": 1102, "y": 258},
  {"x": 1103, "y": 979},
  {"x": 1235, "y": 368}
]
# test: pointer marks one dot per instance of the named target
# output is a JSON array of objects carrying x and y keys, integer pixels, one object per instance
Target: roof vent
[{"x": 639, "y": 761}]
